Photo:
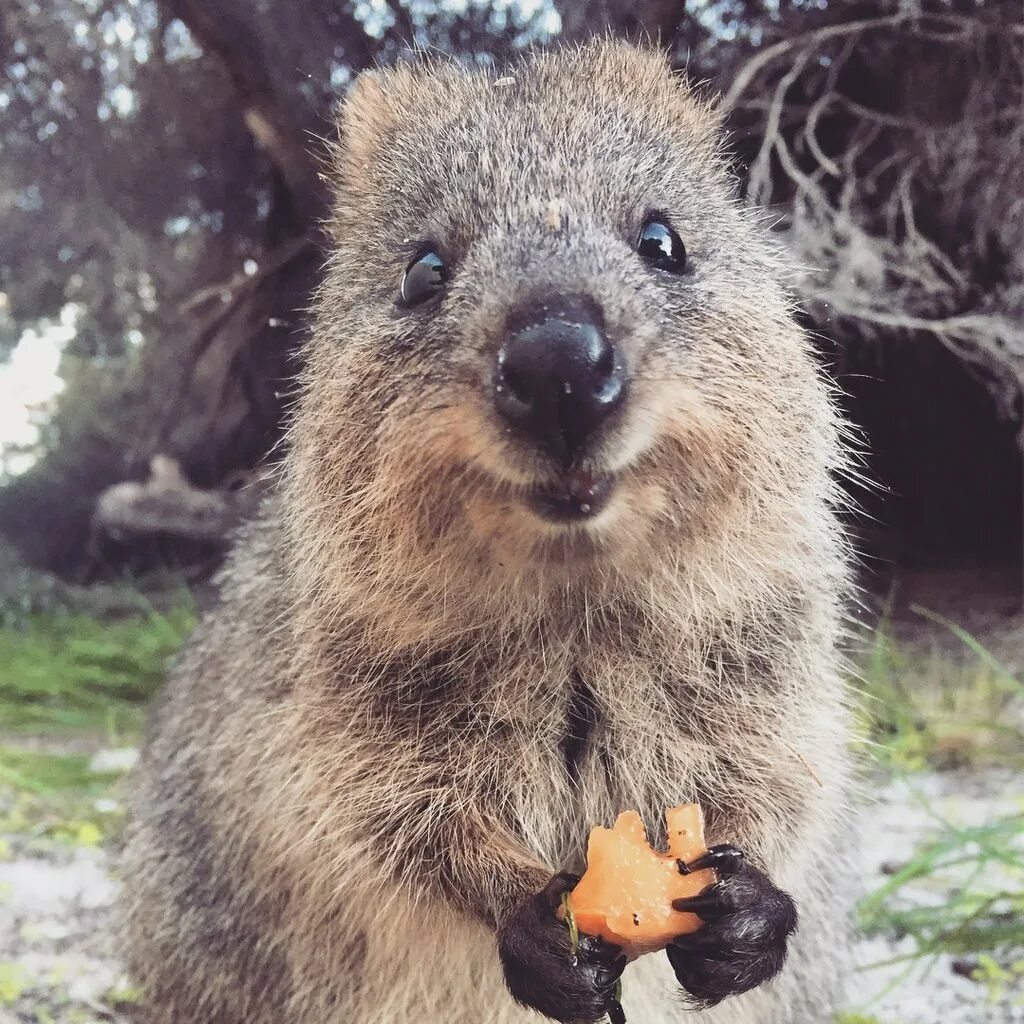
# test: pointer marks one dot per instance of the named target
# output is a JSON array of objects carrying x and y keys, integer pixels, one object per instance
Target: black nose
[{"x": 558, "y": 377}]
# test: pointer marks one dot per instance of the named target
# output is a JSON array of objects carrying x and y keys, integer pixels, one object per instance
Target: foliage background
[{"x": 160, "y": 199}]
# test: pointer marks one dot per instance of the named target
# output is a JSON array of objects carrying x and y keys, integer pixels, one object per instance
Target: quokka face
[{"x": 539, "y": 343}]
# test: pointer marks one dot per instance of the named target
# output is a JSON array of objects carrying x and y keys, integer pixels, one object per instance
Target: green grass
[
  {"x": 954, "y": 707},
  {"x": 981, "y": 923},
  {"x": 70, "y": 683},
  {"x": 74, "y": 673},
  {"x": 937, "y": 709},
  {"x": 33, "y": 772},
  {"x": 986, "y": 910}
]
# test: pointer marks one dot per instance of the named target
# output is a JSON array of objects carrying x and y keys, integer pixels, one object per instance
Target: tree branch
[{"x": 230, "y": 36}]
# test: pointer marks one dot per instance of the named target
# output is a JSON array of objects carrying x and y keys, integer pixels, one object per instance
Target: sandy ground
[{"x": 56, "y": 916}]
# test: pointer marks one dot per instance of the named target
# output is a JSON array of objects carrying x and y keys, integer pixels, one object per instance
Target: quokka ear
[{"x": 372, "y": 110}]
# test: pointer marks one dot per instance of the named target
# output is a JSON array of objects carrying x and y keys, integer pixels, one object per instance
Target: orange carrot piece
[{"x": 625, "y": 896}]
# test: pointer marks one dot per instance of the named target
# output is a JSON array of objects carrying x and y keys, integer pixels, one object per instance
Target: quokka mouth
[{"x": 574, "y": 498}]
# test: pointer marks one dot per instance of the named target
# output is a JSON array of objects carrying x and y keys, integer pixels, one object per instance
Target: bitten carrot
[{"x": 625, "y": 896}]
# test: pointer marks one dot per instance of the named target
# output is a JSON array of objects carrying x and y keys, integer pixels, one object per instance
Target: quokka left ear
[{"x": 368, "y": 116}]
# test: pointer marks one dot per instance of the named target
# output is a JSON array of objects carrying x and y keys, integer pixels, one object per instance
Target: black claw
[
  {"x": 725, "y": 858},
  {"x": 699, "y": 940},
  {"x": 709, "y": 905},
  {"x": 616, "y": 1015},
  {"x": 560, "y": 884},
  {"x": 594, "y": 949}
]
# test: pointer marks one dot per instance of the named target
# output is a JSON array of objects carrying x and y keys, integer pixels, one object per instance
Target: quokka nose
[{"x": 558, "y": 378}]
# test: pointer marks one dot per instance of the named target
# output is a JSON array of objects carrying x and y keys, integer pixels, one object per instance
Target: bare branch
[{"x": 855, "y": 208}]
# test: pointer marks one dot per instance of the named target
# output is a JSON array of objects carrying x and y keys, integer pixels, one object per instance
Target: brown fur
[{"x": 357, "y": 768}]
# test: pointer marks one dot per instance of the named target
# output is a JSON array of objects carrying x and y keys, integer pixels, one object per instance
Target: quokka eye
[
  {"x": 660, "y": 246},
  {"x": 425, "y": 276}
]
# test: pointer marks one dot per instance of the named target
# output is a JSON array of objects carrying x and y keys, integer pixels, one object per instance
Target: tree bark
[{"x": 276, "y": 126}]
